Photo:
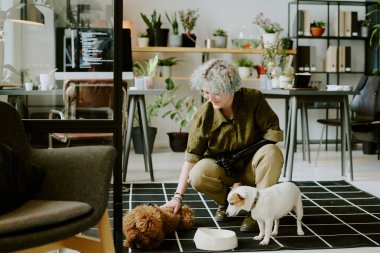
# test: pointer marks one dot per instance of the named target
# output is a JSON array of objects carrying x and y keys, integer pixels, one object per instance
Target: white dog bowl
[{"x": 215, "y": 239}]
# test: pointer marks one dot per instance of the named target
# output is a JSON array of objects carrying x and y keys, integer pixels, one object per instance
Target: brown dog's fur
[{"x": 146, "y": 226}]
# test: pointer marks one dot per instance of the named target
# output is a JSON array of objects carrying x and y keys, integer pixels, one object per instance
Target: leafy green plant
[
  {"x": 244, "y": 62},
  {"x": 366, "y": 23},
  {"x": 145, "y": 68},
  {"x": 219, "y": 32},
  {"x": 170, "y": 61},
  {"x": 375, "y": 27},
  {"x": 173, "y": 21},
  {"x": 183, "y": 108},
  {"x": 154, "y": 22},
  {"x": 319, "y": 24},
  {"x": 188, "y": 19}
]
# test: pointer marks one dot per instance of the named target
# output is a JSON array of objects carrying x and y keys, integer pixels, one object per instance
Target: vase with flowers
[{"x": 271, "y": 30}]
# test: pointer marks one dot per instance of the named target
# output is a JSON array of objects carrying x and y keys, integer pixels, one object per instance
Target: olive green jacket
[{"x": 252, "y": 119}]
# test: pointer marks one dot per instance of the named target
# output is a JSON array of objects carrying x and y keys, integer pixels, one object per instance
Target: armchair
[{"x": 73, "y": 196}]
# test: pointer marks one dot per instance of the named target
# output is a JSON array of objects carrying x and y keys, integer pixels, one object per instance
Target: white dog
[{"x": 267, "y": 205}]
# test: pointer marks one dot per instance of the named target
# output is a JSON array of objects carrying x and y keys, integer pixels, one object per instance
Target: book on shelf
[
  {"x": 337, "y": 59},
  {"x": 299, "y": 23},
  {"x": 306, "y": 23},
  {"x": 329, "y": 62},
  {"x": 346, "y": 24},
  {"x": 347, "y": 58},
  {"x": 304, "y": 60}
]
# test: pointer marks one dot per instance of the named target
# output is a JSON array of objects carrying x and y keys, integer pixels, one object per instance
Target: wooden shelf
[{"x": 203, "y": 50}]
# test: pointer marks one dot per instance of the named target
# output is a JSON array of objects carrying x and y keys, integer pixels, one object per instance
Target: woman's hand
[{"x": 174, "y": 203}]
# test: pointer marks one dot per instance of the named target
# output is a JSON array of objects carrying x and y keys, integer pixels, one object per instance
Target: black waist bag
[{"x": 227, "y": 160}]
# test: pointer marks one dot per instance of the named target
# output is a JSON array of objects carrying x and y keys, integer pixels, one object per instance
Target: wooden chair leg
[{"x": 81, "y": 243}]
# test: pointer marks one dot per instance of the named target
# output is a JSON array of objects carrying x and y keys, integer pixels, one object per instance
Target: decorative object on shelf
[
  {"x": 145, "y": 71},
  {"x": 365, "y": 25},
  {"x": 271, "y": 59},
  {"x": 271, "y": 30},
  {"x": 245, "y": 66},
  {"x": 220, "y": 37},
  {"x": 182, "y": 112},
  {"x": 286, "y": 43},
  {"x": 317, "y": 28},
  {"x": 246, "y": 37},
  {"x": 175, "y": 40},
  {"x": 261, "y": 70},
  {"x": 188, "y": 19},
  {"x": 157, "y": 36},
  {"x": 166, "y": 66},
  {"x": 142, "y": 39}
]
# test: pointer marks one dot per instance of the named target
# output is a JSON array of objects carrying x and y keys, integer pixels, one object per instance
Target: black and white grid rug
[{"x": 336, "y": 215}]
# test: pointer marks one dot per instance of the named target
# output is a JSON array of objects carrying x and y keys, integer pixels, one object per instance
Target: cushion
[
  {"x": 39, "y": 213},
  {"x": 19, "y": 179}
]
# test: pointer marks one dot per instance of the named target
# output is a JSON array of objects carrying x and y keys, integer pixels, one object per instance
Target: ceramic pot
[
  {"x": 364, "y": 32},
  {"x": 178, "y": 141},
  {"x": 142, "y": 42},
  {"x": 316, "y": 31},
  {"x": 261, "y": 70},
  {"x": 244, "y": 72},
  {"x": 148, "y": 82},
  {"x": 165, "y": 71},
  {"x": 269, "y": 39},
  {"x": 175, "y": 40},
  {"x": 158, "y": 37},
  {"x": 189, "y": 40},
  {"x": 220, "y": 41}
]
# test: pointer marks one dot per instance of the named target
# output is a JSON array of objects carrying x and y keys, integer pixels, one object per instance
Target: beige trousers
[{"x": 264, "y": 170}]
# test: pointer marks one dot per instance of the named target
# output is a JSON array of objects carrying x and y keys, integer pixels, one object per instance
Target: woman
[{"x": 231, "y": 119}]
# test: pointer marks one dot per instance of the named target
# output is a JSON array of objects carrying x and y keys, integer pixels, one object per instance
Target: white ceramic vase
[
  {"x": 148, "y": 82},
  {"x": 165, "y": 71},
  {"x": 269, "y": 39},
  {"x": 139, "y": 82},
  {"x": 142, "y": 42},
  {"x": 220, "y": 41},
  {"x": 244, "y": 72},
  {"x": 175, "y": 40}
]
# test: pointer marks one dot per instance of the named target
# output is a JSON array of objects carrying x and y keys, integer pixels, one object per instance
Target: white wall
[{"x": 230, "y": 15}]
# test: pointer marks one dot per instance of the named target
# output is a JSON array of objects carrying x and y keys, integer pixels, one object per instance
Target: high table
[
  {"x": 301, "y": 97},
  {"x": 137, "y": 97}
]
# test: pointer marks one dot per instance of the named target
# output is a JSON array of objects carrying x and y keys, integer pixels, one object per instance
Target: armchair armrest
[{"x": 76, "y": 173}]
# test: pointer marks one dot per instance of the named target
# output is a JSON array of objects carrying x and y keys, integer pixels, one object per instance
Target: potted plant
[
  {"x": 220, "y": 37},
  {"x": 188, "y": 19},
  {"x": 365, "y": 25},
  {"x": 145, "y": 72},
  {"x": 175, "y": 40},
  {"x": 142, "y": 39},
  {"x": 271, "y": 30},
  {"x": 181, "y": 112},
  {"x": 317, "y": 28},
  {"x": 157, "y": 36},
  {"x": 286, "y": 43},
  {"x": 166, "y": 66},
  {"x": 245, "y": 66}
]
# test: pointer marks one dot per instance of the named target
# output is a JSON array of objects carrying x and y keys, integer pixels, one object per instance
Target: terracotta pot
[
  {"x": 316, "y": 31},
  {"x": 261, "y": 70}
]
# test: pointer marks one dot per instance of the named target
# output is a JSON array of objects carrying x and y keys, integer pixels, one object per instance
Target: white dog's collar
[{"x": 255, "y": 200}]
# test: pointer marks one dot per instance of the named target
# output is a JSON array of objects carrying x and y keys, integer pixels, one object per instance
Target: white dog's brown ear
[
  {"x": 235, "y": 185},
  {"x": 241, "y": 196}
]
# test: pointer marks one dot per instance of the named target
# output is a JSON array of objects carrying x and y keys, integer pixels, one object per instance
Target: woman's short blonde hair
[{"x": 218, "y": 76}]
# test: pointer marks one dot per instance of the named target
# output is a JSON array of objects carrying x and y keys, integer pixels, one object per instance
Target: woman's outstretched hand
[{"x": 174, "y": 203}]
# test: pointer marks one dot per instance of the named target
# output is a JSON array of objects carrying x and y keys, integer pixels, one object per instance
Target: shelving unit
[{"x": 332, "y": 10}]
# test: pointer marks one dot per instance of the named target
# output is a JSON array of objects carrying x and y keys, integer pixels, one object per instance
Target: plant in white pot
[
  {"x": 271, "y": 30},
  {"x": 181, "y": 110},
  {"x": 166, "y": 66},
  {"x": 145, "y": 71},
  {"x": 220, "y": 37},
  {"x": 142, "y": 39},
  {"x": 188, "y": 19},
  {"x": 175, "y": 39},
  {"x": 245, "y": 66}
]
